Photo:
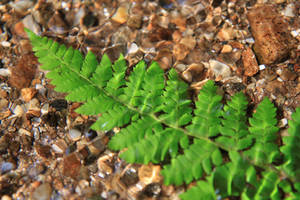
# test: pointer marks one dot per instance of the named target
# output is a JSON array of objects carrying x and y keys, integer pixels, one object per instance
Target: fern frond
[
  {"x": 291, "y": 147},
  {"x": 207, "y": 113},
  {"x": 158, "y": 123},
  {"x": 103, "y": 72},
  {"x": 263, "y": 129},
  {"x": 234, "y": 129},
  {"x": 176, "y": 107}
]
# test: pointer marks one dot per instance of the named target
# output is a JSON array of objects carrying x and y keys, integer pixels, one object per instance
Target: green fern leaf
[
  {"x": 234, "y": 129},
  {"x": 291, "y": 147},
  {"x": 212, "y": 142},
  {"x": 207, "y": 113},
  {"x": 199, "y": 157},
  {"x": 204, "y": 190},
  {"x": 263, "y": 128}
]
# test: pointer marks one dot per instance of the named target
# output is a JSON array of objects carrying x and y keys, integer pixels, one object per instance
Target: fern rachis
[{"x": 158, "y": 122}]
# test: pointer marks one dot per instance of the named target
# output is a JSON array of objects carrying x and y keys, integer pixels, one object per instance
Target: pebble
[
  {"x": 181, "y": 67},
  {"x": 6, "y": 167},
  {"x": 249, "y": 62},
  {"x": 180, "y": 51},
  {"x": 135, "y": 21},
  {"x": 34, "y": 105},
  {"x": 71, "y": 165},
  {"x": 5, "y": 72},
  {"x": 149, "y": 174},
  {"x": 45, "y": 108},
  {"x": 226, "y": 49},
  {"x": 57, "y": 24},
  {"x": 19, "y": 30},
  {"x": 219, "y": 69},
  {"x": 98, "y": 145},
  {"x": 270, "y": 31},
  {"x": 189, "y": 42},
  {"x": 59, "y": 146},
  {"x": 282, "y": 123},
  {"x": 130, "y": 177},
  {"x": 103, "y": 165},
  {"x": 3, "y": 104},
  {"x": 121, "y": 15},
  {"x": 262, "y": 67},
  {"x": 42, "y": 192},
  {"x": 18, "y": 111},
  {"x": 74, "y": 134},
  {"x": 21, "y": 6},
  {"x": 187, "y": 76},
  {"x": 23, "y": 131},
  {"x": 6, "y": 197},
  {"x": 289, "y": 10},
  {"x": 194, "y": 72},
  {"x": 30, "y": 23},
  {"x": 226, "y": 34},
  {"x": 133, "y": 48},
  {"x": 295, "y": 33},
  {"x": 5, "y": 44},
  {"x": 43, "y": 150},
  {"x": 28, "y": 93}
]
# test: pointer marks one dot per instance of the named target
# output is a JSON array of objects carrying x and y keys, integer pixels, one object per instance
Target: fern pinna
[{"x": 214, "y": 144}]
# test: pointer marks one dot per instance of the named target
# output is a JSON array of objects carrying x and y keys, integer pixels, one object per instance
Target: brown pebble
[
  {"x": 149, "y": 174},
  {"x": 3, "y": 93},
  {"x": 43, "y": 151},
  {"x": 196, "y": 71},
  {"x": 226, "y": 34},
  {"x": 189, "y": 42},
  {"x": 28, "y": 93},
  {"x": 180, "y": 51},
  {"x": 164, "y": 59},
  {"x": 272, "y": 38},
  {"x": 25, "y": 47},
  {"x": 288, "y": 75},
  {"x": 3, "y": 104},
  {"x": 121, "y": 15},
  {"x": 276, "y": 87},
  {"x": 19, "y": 30},
  {"x": 226, "y": 49},
  {"x": 135, "y": 21},
  {"x": 24, "y": 71},
  {"x": 71, "y": 165},
  {"x": 249, "y": 62},
  {"x": 57, "y": 24}
]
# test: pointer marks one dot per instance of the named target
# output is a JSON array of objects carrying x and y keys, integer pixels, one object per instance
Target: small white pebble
[
  {"x": 105, "y": 12},
  {"x": 75, "y": 134},
  {"x": 5, "y": 44},
  {"x": 284, "y": 121},
  {"x": 295, "y": 33},
  {"x": 279, "y": 71},
  {"x": 249, "y": 40},
  {"x": 133, "y": 48},
  {"x": 273, "y": 96},
  {"x": 262, "y": 67},
  {"x": 5, "y": 72}
]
